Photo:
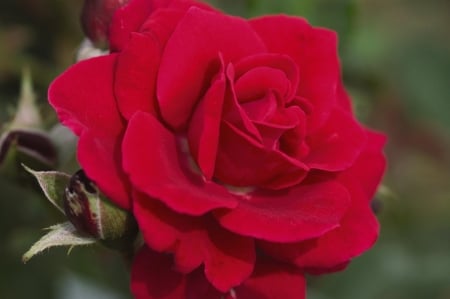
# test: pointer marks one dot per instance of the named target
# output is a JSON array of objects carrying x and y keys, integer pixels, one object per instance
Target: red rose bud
[
  {"x": 93, "y": 214},
  {"x": 96, "y": 17}
]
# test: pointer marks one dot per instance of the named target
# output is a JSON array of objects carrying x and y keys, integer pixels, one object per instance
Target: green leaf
[
  {"x": 64, "y": 234},
  {"x": 53, "y": 183}
]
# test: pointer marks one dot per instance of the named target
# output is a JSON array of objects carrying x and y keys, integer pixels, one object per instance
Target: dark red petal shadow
[{"x": 153, "y": 277}]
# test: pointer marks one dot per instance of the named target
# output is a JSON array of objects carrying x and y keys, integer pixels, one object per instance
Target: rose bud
[
  {"x": 30, "y": 147},
  {"x": 93, "y": 214},
  {"x": 22, "y": 140},
  {"x": 96, "y": 17}
]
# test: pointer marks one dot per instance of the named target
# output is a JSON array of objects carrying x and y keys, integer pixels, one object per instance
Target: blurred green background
[{"x": 396, "y": 64}]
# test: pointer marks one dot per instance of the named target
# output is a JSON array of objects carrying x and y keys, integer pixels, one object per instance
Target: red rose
[{"x": 233, "y": 143}]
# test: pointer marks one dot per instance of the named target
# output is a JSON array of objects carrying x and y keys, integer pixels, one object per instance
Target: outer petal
[
  {"x": 315, "y": 52},
  {"x": 298, "y": 213},
  {"x": 139, "y": 61},
  {"x": 201, "y": 35},
  {"x": 359, "y": 228},
  {"x": 128, "y": 19},
  {"x": 357, "y": 232},
  {"x": 371, "y": 164},
  {"x": 198, "y": 287},
  {"x": 152, "y": 277},
  {"x": 84, "y": 101},
  {"x": 135, "y": 76},
  {"x": 344, "y": 100},
  {"x": 337, "y": 144},
  {"x": 155, "y": 165},
  {"x": 228, "y": 258},
  {"x": 273, "y": 280},
  {"x": 101, "y": 160}
]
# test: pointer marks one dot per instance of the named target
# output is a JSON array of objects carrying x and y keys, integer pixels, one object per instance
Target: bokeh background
[{"x": 396, "y": 64}]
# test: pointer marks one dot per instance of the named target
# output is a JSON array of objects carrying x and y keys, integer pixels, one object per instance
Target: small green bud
[{"x": 93, "y": 214}]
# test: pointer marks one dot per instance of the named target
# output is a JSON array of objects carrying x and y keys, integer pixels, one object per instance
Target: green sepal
[
  {"x": 64, "y": 234},
  {"x": 53, "y": 184}
]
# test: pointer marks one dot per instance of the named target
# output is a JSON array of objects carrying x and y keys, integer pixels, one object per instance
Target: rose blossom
[{"x": 233, "y": 143}]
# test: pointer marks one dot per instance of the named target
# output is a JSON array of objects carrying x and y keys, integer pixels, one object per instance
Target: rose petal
[
  {"x": 370, "y": 165},
  {"x": 337, "y": 144},
  {"x": 261, "y": 109},
  {"x": 302, "y": 212},
  {"x": 162, "y": 23},
  {"x": 275, "y": 61},
  {"x": 195, "y": 43},
  {"x": 314, "y": 50},
  {"x": 165, "y": 230},
  {"x": 154, "y": 162},
  {"x": 228, "y": 258},
  {"x": 138, "y": 62},
  {"x": 343, "y": 99},
  {"x": 204, "y": 127},
  {"x": 257, "y": 82},
  {"x": 321, "y": 271},
  {"x": 234, "y": 113},
  {"x": 273, "y": 280},
  {"x": 101, "y": 160},
  {"x": 281, "y": 123},
  {"x": 357, "y": 232},
  {"x": 127, "y": 19},
  {"x": 181, "y": 4},
  {"x": 135, "y": 79},
  {"x": 84, "y": 101},
  {"x": 241, "y": 161},
  {"x": 152, "y": 277},
  {"x": 131, "y": 17},
  {"x": 198, "y": 287}
]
